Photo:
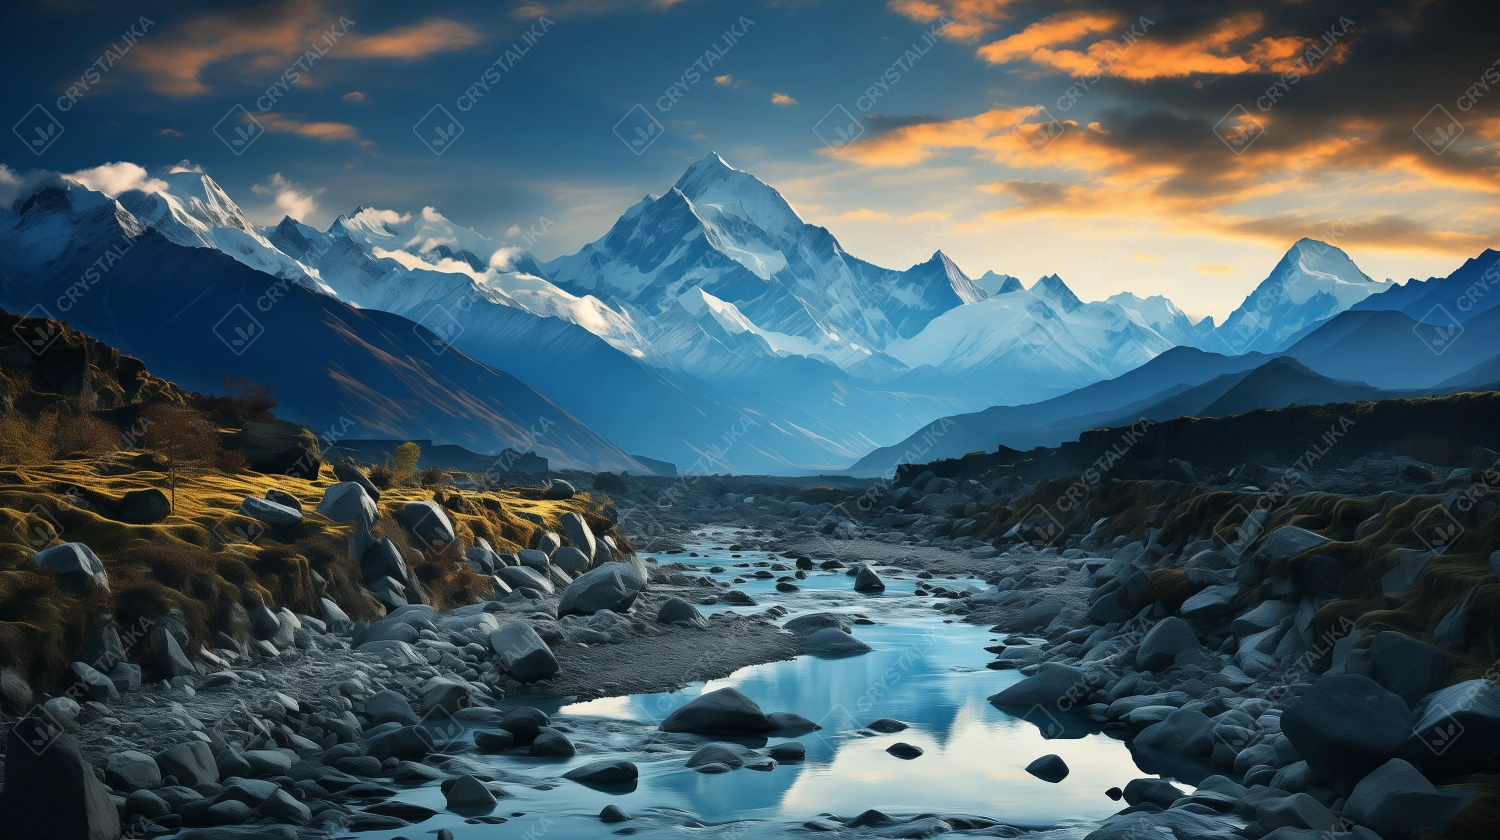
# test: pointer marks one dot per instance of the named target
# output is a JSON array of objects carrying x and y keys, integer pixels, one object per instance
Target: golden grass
[{"x": 193, "y": 562}]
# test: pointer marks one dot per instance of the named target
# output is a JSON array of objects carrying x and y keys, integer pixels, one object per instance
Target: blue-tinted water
[{"x": 926, "y": 671}]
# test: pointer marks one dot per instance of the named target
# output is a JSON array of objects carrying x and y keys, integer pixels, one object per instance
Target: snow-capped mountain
[
  {"x": 194, "y": 211},
  {"x": 723, "y": 231},
  {"x": 194, "y": 315},
  {"x": 1162, "y": 315},
  {"x": 1313, "y": 282},
  {"x": 998, "y": 284},
  {"x": 1028, "y": 344}
]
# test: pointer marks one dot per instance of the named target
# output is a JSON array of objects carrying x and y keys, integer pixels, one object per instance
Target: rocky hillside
[{"x": 145, "y": 525}]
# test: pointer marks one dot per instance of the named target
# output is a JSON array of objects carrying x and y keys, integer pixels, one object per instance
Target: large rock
[
  {"x": 389, "y": 707},
  {"x": 1287, "y": 542},
  {"x": 428, "y": 522},
  {"x": 579, "y": 534},
  {"x": 1453, "y": 631},
  {"x": 1344, "y": 726},
  {"x": 383, "y": 559},
  {"x": 568, "y": 558},
  {"x": 269, "y": 512},
  {"x": 1051, "y": 687},
  {"x": 557, "y": 490},
  {"x": 411, "y": 743},
  {"x": 1396, "y": 800},
  {"x": 866, "y": 580},
  {"x": 347, "y": 472},
  {"x": 1183, "y": 732},
  {"x": 446, "y": 695},
  {"x": 725, "y": 710},
  {"x": 613, "y": 586},
  {"x": 95, "y": 685},
  {"x": 676, "y": 610},
  {"x": 1212, "y": 601},
  {"x": 1163, "y": 643},
  {"x": 831, "y": 641},
  {"x": 191, "y": 762},
  {"x": 468, "y": 794},
  {"x": 522, "y": 577},
  {"x": 143, "y": 507},
  {"x": 1406, "y": 666},
  {"x": 523, "y": 653},
  {"x": 132, "y": 770},
  {"x": 279, "y": 446},
  {"x": 1299, "y": 810},
  {"x": 50, "y": 791},
  {"x": 1049, "y": 768},
  {"x": 76, "y": 565},
  {"x": 1263, "y": 617},
  {"x": 604, "y": 773},
  {"x": 348, "y": 501},
  {"x": 1458, "y": 729}
]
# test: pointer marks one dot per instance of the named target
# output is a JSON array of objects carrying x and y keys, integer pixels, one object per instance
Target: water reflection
[{"x": 925, "y": 671}]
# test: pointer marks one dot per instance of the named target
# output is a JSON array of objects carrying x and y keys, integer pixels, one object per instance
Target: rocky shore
[{"x": 1270, "y": 659}]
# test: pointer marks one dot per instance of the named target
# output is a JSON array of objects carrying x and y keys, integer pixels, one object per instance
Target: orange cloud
[
  {"x": 265, "y": 39},
  {"x": 432, "y": 35},
  {"x": 326, "y": 132},
  {"x": 1065, "y": 28},
  {"x": 1225, "y": 50},
  {"x": 971, "y": 18},
  {"x": 782, "y": 99}
]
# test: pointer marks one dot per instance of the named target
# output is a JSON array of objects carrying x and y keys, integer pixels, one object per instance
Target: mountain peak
[
  {"x": 1053, "y": 288},
  {"x": 999, "y": 284}
]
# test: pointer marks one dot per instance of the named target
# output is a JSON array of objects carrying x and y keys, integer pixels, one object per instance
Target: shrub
[
  {"x": 381, "y": 476},
  {"x": 432, "y": 477},
  {"x": 404, "y": 462}
]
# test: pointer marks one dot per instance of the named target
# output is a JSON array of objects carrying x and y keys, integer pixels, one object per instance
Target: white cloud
[
  {"x": 115, "y": 178},
  {"x": 289, "y": 199}
]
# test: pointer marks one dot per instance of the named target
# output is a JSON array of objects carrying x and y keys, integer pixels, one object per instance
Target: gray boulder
[
  {"x": 51, "y": 790},
  {"x": 383, "y": 559},
  {"x": 1344, "y": 726},
  {"x": 523, "y": 653},
  {"x": 1164, "y": 642},
  {"x": 76, "y": 565},
  {"x": 831, "y": 641},
  {"x": 390, "y": 707},
  {"x": 547, "y": 543},
  {"x": 1298, "y": 810},
  {"x": 1212, "y": 601},
  {"x": 535, "y": 558},
  {"x": 144, "y": 507},
  {"x": 469, "y": 794},
  {"x": 725, "y": 710},
  {"x": 445, "y": 695},
  {"x": 1396, "y": 800},
  {"x": 1049, "y": 768},
  {"x": 579, "y": 534},
  {"x": 1406, "y": 666},
  {"x": 569, "y": 559},
  {"x": 1287, "y": 542},
  {"x": 676, "y": 609},
  {"x": 191, "y": 762},
  {"x": 613, "y": 586},
  {"x": 283, "y": 807},
  {"x": 804, "y": 625},
  {"x": 345, "y": 472},
  {"x": 1048, "y": 687},
  {"x": 428, "y": 522},
  {"x": 132, "y": 770},
  {"x": 551, "y": 743},
  {"x": 412, "y": 743},
  {"x": 269, "y": 512},
  {"x": 1458, "y": 728},
  {"x": 1265, "y": 615},
  {"x": 519, "y": 577},
  {"x": 1453, "y": 631},
  {"x": 866, "y": 580},
  {"x": 348, "y": 501},
  {"x": 95, "y": 685},
  {"x": 557, "y": 490},
  {"x": 604, "y": 773},
  {"x": 1183, "y": 732}
]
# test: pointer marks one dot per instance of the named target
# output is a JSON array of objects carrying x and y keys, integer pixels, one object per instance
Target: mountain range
[{"x": 710, "y": 326}]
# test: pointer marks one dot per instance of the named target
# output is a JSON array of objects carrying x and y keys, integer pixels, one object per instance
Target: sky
[{"x": 1157, "y": 148}]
